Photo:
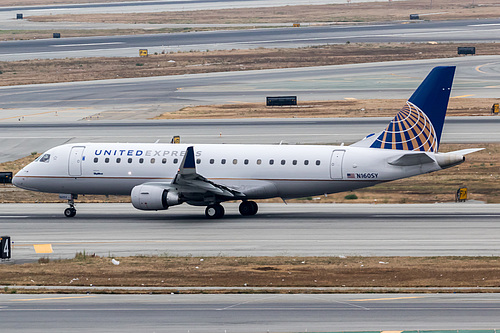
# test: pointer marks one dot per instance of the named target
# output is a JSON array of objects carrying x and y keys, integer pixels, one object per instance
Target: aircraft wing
[{"x": 188, "y": 181}]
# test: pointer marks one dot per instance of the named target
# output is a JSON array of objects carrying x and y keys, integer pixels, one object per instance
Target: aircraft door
[
  {"x": 336, "y": 164},
  {"x": 75, "y": 161}
]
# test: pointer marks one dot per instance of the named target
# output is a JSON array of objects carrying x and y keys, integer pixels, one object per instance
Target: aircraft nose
[
  {"x": 19, "y": 181},
  {"x": 15, "y": 180}
]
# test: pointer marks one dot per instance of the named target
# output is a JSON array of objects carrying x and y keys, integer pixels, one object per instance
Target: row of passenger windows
[
  {"x": 130, "y": 160},
  {"x": 211, "y": 161}
]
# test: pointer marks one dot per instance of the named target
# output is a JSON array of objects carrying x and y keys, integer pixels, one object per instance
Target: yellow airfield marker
[{"x": 43, "y": 248}]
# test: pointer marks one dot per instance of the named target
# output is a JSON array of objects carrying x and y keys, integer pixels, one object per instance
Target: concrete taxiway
[
  {"x": 278, "y": 229},
  {"x": 464, "y": 31},
  {"x": 248, "y": 313}
]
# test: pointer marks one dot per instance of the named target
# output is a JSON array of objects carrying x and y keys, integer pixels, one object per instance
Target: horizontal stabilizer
[
  {"x": 465, "y": 151},
  {"x": 447, "y": 160},
  {"x": 412, "y": 159}
]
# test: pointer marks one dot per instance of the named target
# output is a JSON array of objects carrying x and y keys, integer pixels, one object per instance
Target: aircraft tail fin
[{"x": 419, "y": 124}]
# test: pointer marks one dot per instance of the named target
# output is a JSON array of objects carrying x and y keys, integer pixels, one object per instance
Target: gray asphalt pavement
[
  {"x": 278, "y": 229},
  {"x": 248, "y": 313},
  {"x": 461, "y": 31}
]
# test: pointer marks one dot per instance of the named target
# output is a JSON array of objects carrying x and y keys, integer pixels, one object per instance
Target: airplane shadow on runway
[
  {"x": 83, "y": 216},
  {"x": 306, "y": 216}
]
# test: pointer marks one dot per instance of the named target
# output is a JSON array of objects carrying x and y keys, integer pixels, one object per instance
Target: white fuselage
[{"x": 258, "y": 171}]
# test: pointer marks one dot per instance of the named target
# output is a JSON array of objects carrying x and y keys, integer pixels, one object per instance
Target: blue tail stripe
[
  {"x": 433, "y": 94},
  {"x": 420, "y": 122}
]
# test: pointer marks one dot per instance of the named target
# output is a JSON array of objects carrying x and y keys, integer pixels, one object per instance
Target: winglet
[{"x": 188, "y": 165}]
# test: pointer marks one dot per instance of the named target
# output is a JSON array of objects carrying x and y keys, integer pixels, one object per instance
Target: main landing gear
[
  {"x": 71, "y": 211},
  {"x": 216, "y": 211},
  {"x": 248, "y": 208}
]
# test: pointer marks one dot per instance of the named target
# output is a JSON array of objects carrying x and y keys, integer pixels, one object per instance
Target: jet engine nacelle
[
  {"x": 151, "y": 197},
  {"x": 447, "y": 160}
]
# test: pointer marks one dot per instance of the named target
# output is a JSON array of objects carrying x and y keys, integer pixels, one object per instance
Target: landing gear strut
[
  {"x": 214, "y": 211},
  {"x": 248, "y": 208},
  {"x": 71, "y": 211}
]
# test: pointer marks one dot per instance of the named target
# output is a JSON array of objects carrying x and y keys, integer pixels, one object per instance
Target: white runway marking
[
  {"x": 247, "y": 302},
  {"x": 483, "y": 25},
  {"x": 14, "y": 216},
  {"x": 88, "y": 44},
  {"x": 433, "y": 215}
]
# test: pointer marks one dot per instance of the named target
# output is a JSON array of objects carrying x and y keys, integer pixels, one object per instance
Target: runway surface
[
  {"x": 460, "y": 31},
  {"x": 278, "y": 229},
  {"x": 248, "y": 313}
]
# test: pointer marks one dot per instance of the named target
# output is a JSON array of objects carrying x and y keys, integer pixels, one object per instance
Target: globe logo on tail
[{"x": 411, "y": 129}]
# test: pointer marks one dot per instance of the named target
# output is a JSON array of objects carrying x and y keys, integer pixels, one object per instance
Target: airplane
[{"x": 158, "y": 176}]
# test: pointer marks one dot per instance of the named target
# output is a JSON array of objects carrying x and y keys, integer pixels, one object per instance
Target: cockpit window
[{"x": 45, "y": 158}]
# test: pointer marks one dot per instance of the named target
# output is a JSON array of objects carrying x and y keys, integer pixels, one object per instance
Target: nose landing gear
[{"x": 71, "y": 211}]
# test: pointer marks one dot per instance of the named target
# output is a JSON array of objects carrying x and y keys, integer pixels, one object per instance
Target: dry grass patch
[
  {"x": 354, "y": 12},
  {"x": 18, "y": 3},
  {"x": 82, "y": 69},
  {"x": 259, "y": 272},
  {"x": 44, "y": 34},
  {"x": 326, "y": 109}
]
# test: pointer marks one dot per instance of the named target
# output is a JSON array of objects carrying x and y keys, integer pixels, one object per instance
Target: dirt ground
[
  {"x": 346, "y": 12},
  {"x": 325, "y": 109},
  {"x": 168, "y": 271},
  {"x": 81, "y": 69},
  {"x": 19, "y": 3},
  {"x": 480, "y": 173},
  {"x": 6, "y": 35}
]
